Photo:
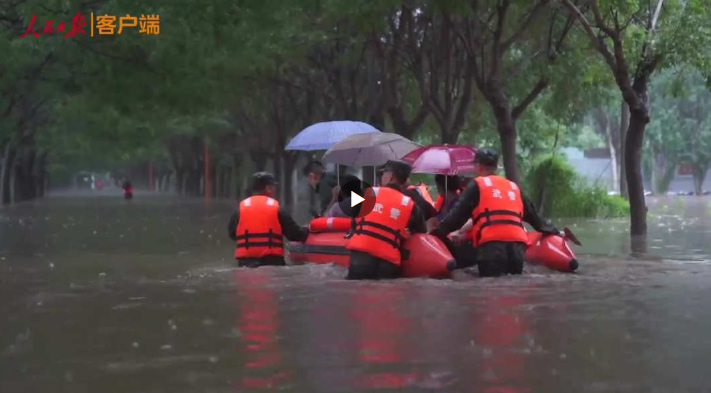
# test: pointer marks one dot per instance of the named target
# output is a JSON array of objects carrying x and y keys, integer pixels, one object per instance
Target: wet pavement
[{"x": 103, "y": 295}]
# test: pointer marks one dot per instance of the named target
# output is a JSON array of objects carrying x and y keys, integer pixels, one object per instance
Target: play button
[{"x": 356, "y": 199}]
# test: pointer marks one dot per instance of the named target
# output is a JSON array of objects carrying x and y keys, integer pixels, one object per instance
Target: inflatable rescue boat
[{"x": 424, "y": 255}]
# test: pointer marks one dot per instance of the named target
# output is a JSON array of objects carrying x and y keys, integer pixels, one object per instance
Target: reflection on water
[
  {"x": 381, "y": 337},
  {"x": 500, "y": 329},
  {"x": 102, "y": 295},
  {"x": 259, "y": 324}
]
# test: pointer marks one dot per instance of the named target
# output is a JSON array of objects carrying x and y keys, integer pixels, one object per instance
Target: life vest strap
[
  {"x": 397, "y": 234},
  {"x": 274, "y": 239},
  {"x": 260, "y": 244},
  {"x": 488, "y": 213},
  {"x": 497, "y": 222},
  {"x": 272, "y": 235},
  {"x": 378, "y": 236},
  {"x": 489, "y": 222}
]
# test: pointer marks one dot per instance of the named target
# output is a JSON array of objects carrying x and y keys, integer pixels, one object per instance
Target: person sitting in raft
[
  {"x": 448, "y": 193},
  {"x": 498, "y": 209},
  {"x": 323, "y": 184},
  {"x": 376, "y": 242},
  {"x": 336, "y": 208},
  {"x": 420, "y": 195},
  {"x": 259, "y": 226},
  {"x": 464, "y": 182},
  {"x": 422, "y": 189}
]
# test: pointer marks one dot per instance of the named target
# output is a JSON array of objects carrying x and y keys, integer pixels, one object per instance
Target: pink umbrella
[{"x": 444, "y": 159}]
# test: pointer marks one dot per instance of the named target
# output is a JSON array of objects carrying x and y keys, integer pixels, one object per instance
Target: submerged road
[{"x": 103, "y": 295}]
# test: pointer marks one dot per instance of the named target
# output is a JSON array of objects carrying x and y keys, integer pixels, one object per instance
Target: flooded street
[{"x": 103, "y": 295}]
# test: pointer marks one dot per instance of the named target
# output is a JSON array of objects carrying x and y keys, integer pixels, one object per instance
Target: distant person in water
[
  {"x": 127, "y": 189},
  {"x": 259, "y": 226}
]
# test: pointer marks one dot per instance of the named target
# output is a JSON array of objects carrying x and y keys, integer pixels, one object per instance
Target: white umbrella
[{"x": 373, "y": 148}]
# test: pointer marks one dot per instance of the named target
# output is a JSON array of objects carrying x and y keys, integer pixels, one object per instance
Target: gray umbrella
[{"x": 374, "y": 148}]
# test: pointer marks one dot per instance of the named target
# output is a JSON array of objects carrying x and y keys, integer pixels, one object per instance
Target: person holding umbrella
[
  {"x": 259, "y": 226},
  {"x": 498, "y": 209},
  {"x": 325, "y": 185}
]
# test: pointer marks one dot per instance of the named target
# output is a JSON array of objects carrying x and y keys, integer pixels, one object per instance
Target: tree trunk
[
  {"x": 294, "y": 183},
  {"x": 507, "y": 137},
  {"x": 182, "y": 183},
  {"x": 222, "y": 182},
  {"x": 633, "y": 167},
  {"x": 234, "y": 181},
  {"x": 218, "y": 180},
  {"x": 213, "y": 180},
  {"x": 227, "y": 183},
  {"x": 288, "y": 188},
  {"x": 699, "y": 173},
  {"x": 259, "y": 160},
  {"x": 27, "y": 186},
  {"x": 656, "y": 171},
  {"x": 13, "y": 179},
  {"x": 624, "y": 127},
  {"x": 41, "y": 169},
  {"x": 278, "y": 167},
  {"x": 613, "y": 159},
  {"x": 6, "y": 178},
  {"x": 168, "y": 181},
  {"x": 4, "y": 186},
  {"x": 194, "y": 179}
]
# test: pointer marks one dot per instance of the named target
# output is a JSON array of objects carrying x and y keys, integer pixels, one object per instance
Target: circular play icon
[{"x": 356, "y": 199}]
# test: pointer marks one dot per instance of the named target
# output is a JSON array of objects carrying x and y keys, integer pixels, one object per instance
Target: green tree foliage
[
  {"x": 237, "y": 79},
  {"x": 560, "y": 192},
  {"x": 636, "y": 38},
  {"x": 680, "y": 130}
]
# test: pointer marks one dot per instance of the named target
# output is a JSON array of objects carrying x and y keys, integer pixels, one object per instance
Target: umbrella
[
  {"x": 322, "y": 136},
  {"x": 374, "y": 148},
  {"x": 442, "y": 159}
]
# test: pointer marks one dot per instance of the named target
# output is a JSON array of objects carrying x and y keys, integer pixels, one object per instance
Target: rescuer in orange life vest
[
  {"x": 498, "y": 209},
  {"x": 259, "y": 226},
  {"x": 376, "y": 243}
]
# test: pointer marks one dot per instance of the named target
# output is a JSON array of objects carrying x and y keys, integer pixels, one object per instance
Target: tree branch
[
  {"x": 523, "y": 105},
  {"x": 524, "y": 26},
  {"x": 598, "y": 42}
]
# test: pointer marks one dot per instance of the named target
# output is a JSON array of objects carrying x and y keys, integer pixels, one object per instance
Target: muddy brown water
[{"x": 98, "y": 294}]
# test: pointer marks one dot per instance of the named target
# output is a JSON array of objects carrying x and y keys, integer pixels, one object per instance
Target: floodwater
[{"x": 103, "y": 295}]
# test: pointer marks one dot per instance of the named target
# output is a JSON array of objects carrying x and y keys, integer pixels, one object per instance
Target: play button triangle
[{"x": 356, "y": 199}]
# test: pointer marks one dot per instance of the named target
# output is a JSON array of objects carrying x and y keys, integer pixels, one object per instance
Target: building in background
[{"x": 595, "y": 166}]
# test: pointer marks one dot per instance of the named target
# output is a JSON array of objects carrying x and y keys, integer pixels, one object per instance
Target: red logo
[{"x": 79, "y": 25}]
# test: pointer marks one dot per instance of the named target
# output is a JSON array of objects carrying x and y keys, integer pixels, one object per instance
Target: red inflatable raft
[
  {"x": 552, "y": 251},
  {"x": 426, "y": 255}
]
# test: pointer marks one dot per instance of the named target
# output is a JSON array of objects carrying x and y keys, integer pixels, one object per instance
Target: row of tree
[{"x": 226, "y": 84}]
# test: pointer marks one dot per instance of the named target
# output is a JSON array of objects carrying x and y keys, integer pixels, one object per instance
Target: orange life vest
[
  {"x": 499, "y": 214},
  {"x": 423, "y": 190},
  {"x": 382, "y": 232},
  {"x": 438, "y": 203},
  {"x": 259, "y": 231}
]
